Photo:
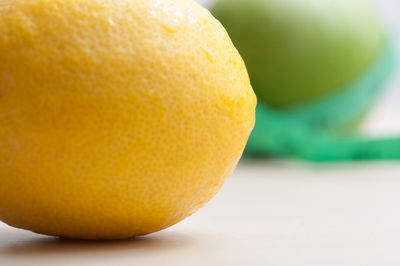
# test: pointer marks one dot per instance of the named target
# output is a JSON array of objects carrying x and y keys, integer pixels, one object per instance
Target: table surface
[
  {"x": 268, "y": 213},
  {"x": 276, "y": 213}
]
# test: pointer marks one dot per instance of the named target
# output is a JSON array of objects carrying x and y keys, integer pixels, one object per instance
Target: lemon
[{"x": 118, "y": 118}]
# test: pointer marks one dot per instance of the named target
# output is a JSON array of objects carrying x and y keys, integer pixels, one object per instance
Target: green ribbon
[{"x": 310, "y": 131}]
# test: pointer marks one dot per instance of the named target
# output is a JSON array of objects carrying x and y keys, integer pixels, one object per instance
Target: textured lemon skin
[{"x": 117, "y": 118}]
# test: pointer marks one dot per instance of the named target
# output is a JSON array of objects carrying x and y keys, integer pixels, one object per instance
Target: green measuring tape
[{"x": 310, "y": 131}]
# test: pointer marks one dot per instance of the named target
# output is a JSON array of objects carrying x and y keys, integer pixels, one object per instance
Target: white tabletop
[{"x": 276, "y": 213}]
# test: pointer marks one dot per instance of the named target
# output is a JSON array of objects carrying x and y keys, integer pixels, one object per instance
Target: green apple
[{"x": 300, "y": 50}]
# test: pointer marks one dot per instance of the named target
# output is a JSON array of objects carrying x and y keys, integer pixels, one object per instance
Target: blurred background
[{"x": 325, "y": 75}]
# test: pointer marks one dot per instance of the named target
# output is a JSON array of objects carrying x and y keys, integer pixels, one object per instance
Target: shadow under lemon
[{"x": 16, "y": 244}]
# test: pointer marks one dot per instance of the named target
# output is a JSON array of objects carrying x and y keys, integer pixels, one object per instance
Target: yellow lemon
[{"x": 117, "y": 118}]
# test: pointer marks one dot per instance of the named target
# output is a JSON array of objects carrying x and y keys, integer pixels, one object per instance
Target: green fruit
[{"x": 300, "y": 50}]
